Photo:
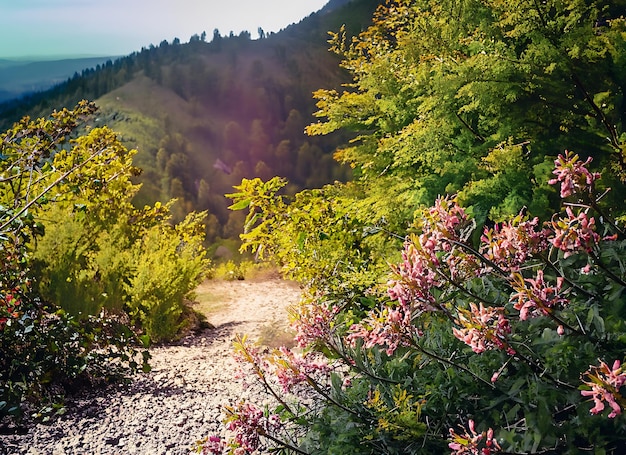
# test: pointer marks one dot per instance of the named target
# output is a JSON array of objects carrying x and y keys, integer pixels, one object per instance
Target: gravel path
[{"x": 179, "y": 402}]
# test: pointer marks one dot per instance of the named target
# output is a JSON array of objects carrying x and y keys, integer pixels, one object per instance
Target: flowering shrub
[
  {"x": 500, "y": 330},
  {"x": 483, "y": 328},
  {"x": 491, "y": 314}
]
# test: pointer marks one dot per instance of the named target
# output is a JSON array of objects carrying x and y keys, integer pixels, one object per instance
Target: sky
[{"x": 62, "y": 28}]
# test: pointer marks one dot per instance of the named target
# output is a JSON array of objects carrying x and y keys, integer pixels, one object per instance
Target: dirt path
[{"x": 179, "y": 402}]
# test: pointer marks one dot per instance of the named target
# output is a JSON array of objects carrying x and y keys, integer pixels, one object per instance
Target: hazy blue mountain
[{"x": 18, "y": 77}]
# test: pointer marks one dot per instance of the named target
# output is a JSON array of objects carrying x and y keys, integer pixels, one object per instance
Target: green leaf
[
  {"x": 145, "y": 340},
  {"x": 245, "y": 203}
]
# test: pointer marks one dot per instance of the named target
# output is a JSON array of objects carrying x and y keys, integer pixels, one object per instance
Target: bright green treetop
[{"x": 478, "y": 97}]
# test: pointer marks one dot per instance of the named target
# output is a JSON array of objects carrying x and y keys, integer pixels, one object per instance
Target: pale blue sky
[{"x": 58, "y": 28}]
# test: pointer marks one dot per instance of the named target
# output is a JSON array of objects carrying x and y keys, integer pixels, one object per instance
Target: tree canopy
[{"x": 478, "y": 97}]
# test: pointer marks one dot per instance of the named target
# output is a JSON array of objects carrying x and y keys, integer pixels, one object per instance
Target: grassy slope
[{"x": 140, "y": 109}]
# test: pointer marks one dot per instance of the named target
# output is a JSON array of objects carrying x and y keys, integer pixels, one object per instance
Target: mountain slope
[{"x": 203, "y": 115}]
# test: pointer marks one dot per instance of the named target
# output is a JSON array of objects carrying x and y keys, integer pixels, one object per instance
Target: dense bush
[
  {"x": 74, "y": 251},
  {"x": 99, "y": 251},
  {"x": 480, "y": 347},
  {"x": 499, "y": 326},
  {"x": 167, "y": 265}
]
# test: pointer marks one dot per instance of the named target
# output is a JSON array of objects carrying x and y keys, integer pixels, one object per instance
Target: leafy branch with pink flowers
[
  {"x": 511, "y": 337},
  {"x": 467, "y": 288}
]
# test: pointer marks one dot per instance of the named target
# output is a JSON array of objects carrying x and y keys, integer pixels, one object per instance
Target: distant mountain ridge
[
  {"x": 22, "y": 77},
  {"x": 18, "y": 78}
]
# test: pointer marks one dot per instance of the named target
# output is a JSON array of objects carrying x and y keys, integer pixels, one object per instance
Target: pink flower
[
  {"x": 537, "y": 299},
  {"x": 415, "y": 278},
  {"x": 293, "y": 369},
  {"x": 575, "y": 233},
  {"x": 214, "y": 445},
  {"x": 435, "y": 251},
  {"x": 511, "y": 243},
  {"x": 248, "y": 423},
  {"x": 604, "y": 386},
  {"x": 313, "y": 322},
  {"x": 389, "y": 327},
  {"x": 472, "y": 443},
  {"x": 483, "y": 328},
  {"x": 574, "y": 177}
]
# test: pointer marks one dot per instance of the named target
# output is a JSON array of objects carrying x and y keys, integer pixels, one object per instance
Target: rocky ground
[{"x": 179, "y": 402}]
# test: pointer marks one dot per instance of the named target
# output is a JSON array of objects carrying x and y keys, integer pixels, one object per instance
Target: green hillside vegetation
[
  {"x": 97, "y": 265},
  {"x": 205, "y": 114},
  {"x": 87, "y": 280}
]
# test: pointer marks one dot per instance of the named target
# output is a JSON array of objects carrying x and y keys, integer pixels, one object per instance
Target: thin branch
[
  {"x": 347, "y": 361},
  {"x": 476, "y": 134},
  {"x": 614, "y": 138},
  {"x": 327, "y": 396},
  {"x": 48, "y": 188},
  {"x": 605, "y": 269},
  {"x": 286, "y": 445},
  {"x": 449, "y": 362}
]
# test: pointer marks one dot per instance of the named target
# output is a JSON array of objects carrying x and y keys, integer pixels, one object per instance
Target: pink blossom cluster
[
  {"x": 444, "y": 227},
  {"x": 573, "y": 174},
  {"x": 511, "y": 243},
  {"x": 248, "y": 423},
  {"x": 247, "y": 354},
  {"x": 214, "y": 445},
  {"x": 292, "y": 369},
  {"x": 415, "y": 278},
  {"x": 443, "y": 220},
  {"x": 539, "y": 298},
  {"x": 574, "y": 233},
  {"x": 313, "y": 322},
  {"x": 483, "y": 328},
  {"x": 472, "y": 443},
  {"x": 425, "y": 257},
  {"x": 605, "y": 383},
  {"x": 388, "y": 327}
]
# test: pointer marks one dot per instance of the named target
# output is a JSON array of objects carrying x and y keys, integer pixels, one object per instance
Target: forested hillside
[{"x": 207, "y": 113}]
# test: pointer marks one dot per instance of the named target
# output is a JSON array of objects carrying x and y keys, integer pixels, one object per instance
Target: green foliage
[
  {"x": 442, "y": 89},
  {"x": 308, "y": 235},
  {"x": 43, "y": 349},
  {"x": 81, "y": 268},
  {"x": 167, "y": 265},
  {"x": 231, "y": 271},
  {"x": 45, "y": 355},
  {"x": 490, "y": 337}
]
